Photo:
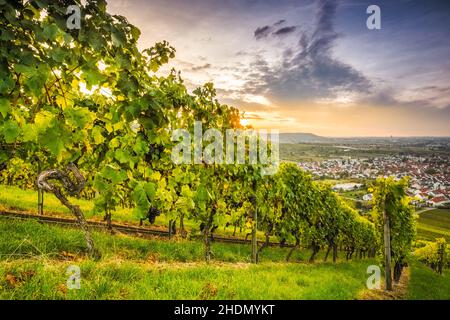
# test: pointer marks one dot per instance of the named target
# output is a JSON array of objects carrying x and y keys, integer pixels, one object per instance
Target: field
[
  {"x": 35, "y": 258},
  {"x": 307, "y": 152},
  {"x": 434, "y": 224},
  {"x": 427, "y": 285},
  {"x": 16, "y": 199},
  {"x": 13, "y": 198}
]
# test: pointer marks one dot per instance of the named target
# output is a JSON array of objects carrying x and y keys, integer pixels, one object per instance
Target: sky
[{"x": 311, "y": 66}]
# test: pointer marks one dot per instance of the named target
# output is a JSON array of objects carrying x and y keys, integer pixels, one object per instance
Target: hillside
[
  {"x": 434, "y": 224},
  {"x": 131, "y": 268},
  {"x": 34, "y": 254},
  {"x": 300, "y": 137}
]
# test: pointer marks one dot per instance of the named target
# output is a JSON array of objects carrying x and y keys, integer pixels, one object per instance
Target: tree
[
  {"x": 270, "y": 201},
  {"x": 395, "y": 223},
  {"x": 44, "y": 112},
  {"x": 302, "y": 219}
]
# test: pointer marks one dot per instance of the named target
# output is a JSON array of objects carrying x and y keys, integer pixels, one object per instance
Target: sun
[{"x": 244, "y": 122}]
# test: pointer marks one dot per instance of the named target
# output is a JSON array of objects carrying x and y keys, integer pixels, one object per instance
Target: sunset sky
[{"x": 312, "y": 66}]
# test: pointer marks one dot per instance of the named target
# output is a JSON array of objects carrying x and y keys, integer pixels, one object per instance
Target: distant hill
[{"x": 300, "y": 137}]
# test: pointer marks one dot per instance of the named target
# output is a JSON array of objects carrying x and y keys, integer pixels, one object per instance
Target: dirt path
[
  {"x": 399, "y": 291},
  {"x": 424, "y": 210},
  {"x": 122, "y": 228}
]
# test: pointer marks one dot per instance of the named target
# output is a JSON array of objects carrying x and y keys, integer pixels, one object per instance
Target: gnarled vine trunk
[
  {"x": 72, "y": 187},
  {"x": 265, "y": 244},
  {"x": 172, "y": 228},
  {"x": 206, "y": 233},
  {"x": 327, "y": 253},
  {"x": 398, "y": 266},
  {"x": 107, "y": 218},
  {"x": 207, "y": 242},
  {"x": 315, "y": 249},
  {"x": 335, "y": 253},
  {"x": 183, "y": 231},
  {"x": 295, "y": 247}
]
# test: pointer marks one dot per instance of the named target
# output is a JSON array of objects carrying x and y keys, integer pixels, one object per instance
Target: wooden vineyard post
[
  {"x": 441, "y": 254},
  {"x": 254, "y": 242},
  {"x": 387, "y": 250},
  {"x": 40, "y": 195},
  {"x": 40, "y": 201}
]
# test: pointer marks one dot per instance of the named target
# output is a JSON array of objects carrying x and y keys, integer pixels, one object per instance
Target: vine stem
[{"x": 72, "y": 188}]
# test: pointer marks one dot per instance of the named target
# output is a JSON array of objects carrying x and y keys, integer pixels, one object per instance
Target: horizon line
[{"x": 371, "y": 136}]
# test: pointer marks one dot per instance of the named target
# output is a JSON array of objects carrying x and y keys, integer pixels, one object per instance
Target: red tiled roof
[{"x": 439, "y": 199}]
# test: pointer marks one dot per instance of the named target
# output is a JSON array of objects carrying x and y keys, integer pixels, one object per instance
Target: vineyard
[{"x": 86, "y": 123}]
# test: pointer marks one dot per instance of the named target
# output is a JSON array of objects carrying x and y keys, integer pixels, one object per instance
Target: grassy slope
[
  {"x": 425, "y": 284},
  {"x": 434, "y": 224},
  {"x": 26, "y": 200},
  {"x": 34, "y": 258},
  {"x": 44, "y": 279},
  {"x": 14, "y": 198},
  {"x": 32, "y": 253}
]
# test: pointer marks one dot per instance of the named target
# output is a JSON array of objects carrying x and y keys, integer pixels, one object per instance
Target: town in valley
[{"x": 350, "y": 164}]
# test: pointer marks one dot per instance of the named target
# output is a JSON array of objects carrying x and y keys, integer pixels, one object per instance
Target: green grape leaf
[
  {"x": 4, "y": 106},
  {"x": 79, "y": 117},
  {"x": 97, "y": 135},
  {"x": 50, "y": 32},
  {"x": 122, "y": 156},
  {"x": 10, "y": 131}
]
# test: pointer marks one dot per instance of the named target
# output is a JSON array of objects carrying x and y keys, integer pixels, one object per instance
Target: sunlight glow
[
  {"x": 257, "y": 99},
  {"x": 244, "y": 122}
]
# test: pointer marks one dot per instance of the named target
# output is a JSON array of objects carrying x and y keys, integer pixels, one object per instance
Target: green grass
[
  {"x": 14, "y": 198},
  {"x": 128, "y": 280},
  {"x": 20, "y": 239},
  {"x": 26, "y": 200},
  {"x": 354, "y": 194},
  {"x": 34, "y": 258},
  {"x": 425, "y": 284},
  {"x": 434, "y": 224}
]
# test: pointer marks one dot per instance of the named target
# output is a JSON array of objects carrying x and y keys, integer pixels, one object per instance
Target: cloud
[
  {"x": 326, "y": 13},
  {"x": 253, "y": 116},
  {"x": 241, "y": 53},
  {"x": 308, "y": 70},
  {"x": 284, "y": 31},
  {"x": 267, "y": 117},
  {"x": 262, "y": 32},
  {"x": 266, "y": 31},
  {"x": 251, "y": 98},
  {"x": 202, "y": 67},
  {"x": 425, "y": 97},
  {"x": 278, "y": 23}
]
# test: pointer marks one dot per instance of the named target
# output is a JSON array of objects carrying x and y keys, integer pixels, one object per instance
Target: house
[
  {"x": 438, "y": 201},
  {"x": 347, "y": 186}
]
